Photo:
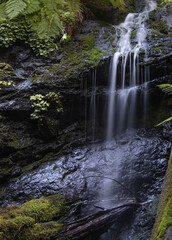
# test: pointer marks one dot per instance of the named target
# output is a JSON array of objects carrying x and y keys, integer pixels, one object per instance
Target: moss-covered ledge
[
  {"x": 163, "y": 224},
  {"x": 34, "y": 220}
]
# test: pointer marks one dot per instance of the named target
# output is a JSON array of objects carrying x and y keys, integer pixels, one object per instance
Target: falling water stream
[{"x": 122, "y": 104}]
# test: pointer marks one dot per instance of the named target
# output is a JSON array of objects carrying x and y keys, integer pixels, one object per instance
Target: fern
[
  {"x": 49, "y": 27},
  {"x": 2, "y": 10},
  {"x": 53, "y": 5},
  {"x": 14, "y": 8},
  {"x": 47, "y": 19},
  {"x": 32, "y": 7},
  {"x": 50, "y": 24}
]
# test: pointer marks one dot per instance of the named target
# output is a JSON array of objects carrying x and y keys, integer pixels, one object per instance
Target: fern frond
[
  {"x": 2, "y": 10},
  {"x": 32, "y": 7},
  {"x": 15, "y": 7},
  {"x": 167, "y": 88},
  {"x": 166, "y": 120},
  {"x": 53, "y": 5},
  {"x": 50, "y": 27}
]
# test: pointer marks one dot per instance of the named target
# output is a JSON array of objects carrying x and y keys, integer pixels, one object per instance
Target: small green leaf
[{"x": 166, "y": 120}]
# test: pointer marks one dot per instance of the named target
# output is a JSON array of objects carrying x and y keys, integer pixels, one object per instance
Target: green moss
[
  {"x": 55, "y": 167},
  {"x": 133, "y": 35},
  {"x": 6, "y": 66},
  {"x": 158, "y": 49},
  {"x": 142, "y": 51},
  {"x": 157, "y": 23},
  {"x": 166, "y": 220},
  {"x": 155, "y": 34},
  {"x": 164, "y": 213},
  {"x": 161, "y": 26},
  {"x": 114, "y": 51},
  {"x": 2, "y": 235},
  {"x": 74, "y": 61},
  {"x": 17, "y": 141},
  {"x": 88, "y": 41},
  {"x": 94, "y": 56},
  {"x": 34, "y": 218},
  {"x": 43, "y": 209},
  {"x": 5, "y": 71},
  {"x": 44, "y": 230}
]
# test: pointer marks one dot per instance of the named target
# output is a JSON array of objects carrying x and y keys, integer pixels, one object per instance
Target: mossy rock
[
  {"x": 33, "y": 220},
  {"x": 17, "y": 141},
  {"x": 77, "y": 58},
  {"x": 5, "y": 66},
  {"x": 164, "y": 213},
  {"x": 158, "y": 22},
  {"x": 5, "y": 71}
]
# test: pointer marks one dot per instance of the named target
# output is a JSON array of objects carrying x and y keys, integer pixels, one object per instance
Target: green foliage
[
  {"x": 19, "y": 29},
  {"x": 14, "y": 7},
  {"x": 39, "y": 22},
  {"x": 33, "y": 218},
  {"x": 88, "y": 42},
  {"x": 66, "y": 38},
  {"x": 41, "y": 104},
  {"x": 164, "y": 2},
  {"x": 166, "y": 120},
  {"x": 46, "y": 18},
  {"x": 6, "y": 83},
  {"x": 133, "y": 35},
  {"x": 164, "y": 214},
  {"x": 166, "y": 221}
]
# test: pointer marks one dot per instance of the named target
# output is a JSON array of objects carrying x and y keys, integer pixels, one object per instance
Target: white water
[
  {"x": 93, "y": 103},
  {"x": 126, "y": 71}
]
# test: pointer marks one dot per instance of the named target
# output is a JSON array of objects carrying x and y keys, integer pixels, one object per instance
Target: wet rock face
[
  {"x": 137, "y": 159},
  {"x": 21, "y": 140}
]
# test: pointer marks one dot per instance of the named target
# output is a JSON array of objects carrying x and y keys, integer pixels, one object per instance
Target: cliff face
[
  {"x": 25, "y": 144},
  {"x": 68, "y": 71}
]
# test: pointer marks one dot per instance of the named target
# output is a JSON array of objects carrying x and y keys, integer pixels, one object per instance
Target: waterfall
[
  {"x": 93, "y": 104},
  {"x": 125, "y": 71}
]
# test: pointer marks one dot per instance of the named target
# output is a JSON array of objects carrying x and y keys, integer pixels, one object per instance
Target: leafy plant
[
  {"x": 6, "y": 83},
  {"x": 19, "y": 29},
  {"x": 46, "y": 18},
  {"x": 39, "y": 23},
  {"x": 166, "y": 88},
  {"x": 42, "y": 103}
]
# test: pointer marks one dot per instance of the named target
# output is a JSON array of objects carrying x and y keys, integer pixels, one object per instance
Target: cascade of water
[
  {"x": 122, "y": 104},
  {"x": 93, "y": 103}
]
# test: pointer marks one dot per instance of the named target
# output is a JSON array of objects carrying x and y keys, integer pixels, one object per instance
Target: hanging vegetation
[{"x": 40, "y": 22}]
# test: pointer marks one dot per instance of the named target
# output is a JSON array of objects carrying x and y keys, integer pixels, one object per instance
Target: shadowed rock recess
[{"x": 55, "y": 171}]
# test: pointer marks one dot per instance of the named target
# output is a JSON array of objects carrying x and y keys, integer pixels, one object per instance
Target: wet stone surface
[{"x": 137, "y": 159}]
